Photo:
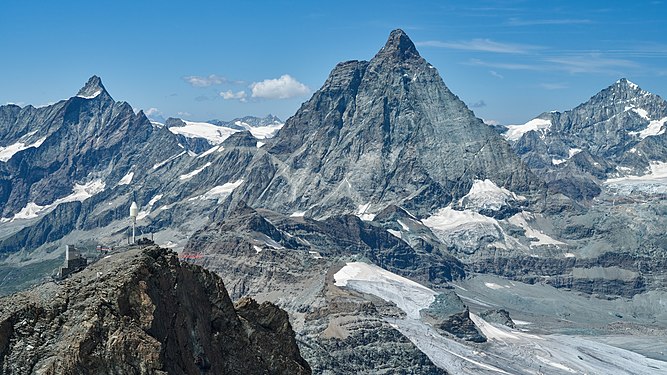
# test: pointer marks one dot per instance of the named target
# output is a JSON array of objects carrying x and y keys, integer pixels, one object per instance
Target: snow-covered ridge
[
  {"x": 217, "y": 134},
  {"x": 363, "y": 214},
  {"x": 172, "y": 158},
  {"x": 515, "y": 132},
  {"x": 632, "y": 85},
  {"x": 218, "y": 192},
  {"x": 261, "y": 132},
  {"x": 571, "y": 152},
  {"x": 213, "y": 133}
]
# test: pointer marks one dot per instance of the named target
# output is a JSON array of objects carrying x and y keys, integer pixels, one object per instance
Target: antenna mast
[{"x": 134, "y": 211}]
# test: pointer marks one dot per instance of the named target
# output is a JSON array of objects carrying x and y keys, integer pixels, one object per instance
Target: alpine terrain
[{"x": 399, "y": 232}]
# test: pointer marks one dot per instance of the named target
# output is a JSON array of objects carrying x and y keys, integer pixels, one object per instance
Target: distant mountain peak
[
  {"x": 399, "y": 46},
  {"x": 627, "y": 83},
  {"x": 92, "y": 88}
]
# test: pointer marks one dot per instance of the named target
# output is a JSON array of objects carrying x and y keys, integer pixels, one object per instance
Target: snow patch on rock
[
  {"x": 188, "y": 176},
  {"x": 127, "y": 179},
  {"x": 487, "y": 195}
]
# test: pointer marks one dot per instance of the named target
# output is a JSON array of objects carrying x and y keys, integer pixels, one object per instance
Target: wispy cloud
[
  {"x": 200, "y": 81},
  {"x": 590, "y": 63},
  {"x": 573, "y": 63},
  {"x": 557, "y": 21},
  {"x": 184, "y": 114},
  {"x": 284, "y": 87},
  {"x": 482, "y": 45},
  {"x": 553, "y": 86},
  {"x": 502, "y": 65},
  {"x": 496, "y": 74},
  {"x": 230, "y": 95},
  {"x": 478, "y": 104},
  {"x": 153, "y": 112}
]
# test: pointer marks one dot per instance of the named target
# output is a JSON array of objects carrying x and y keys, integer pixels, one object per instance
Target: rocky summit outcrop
[
  {"x": 141, "y": 311},
  {"x": 380, "y": 132}
]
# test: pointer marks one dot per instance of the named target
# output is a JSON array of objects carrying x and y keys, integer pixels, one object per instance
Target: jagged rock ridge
[{"x": 143, "y": 312}]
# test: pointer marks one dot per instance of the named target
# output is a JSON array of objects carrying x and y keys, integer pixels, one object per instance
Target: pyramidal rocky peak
[
  {"x": 92, "y": 88},
  {"x": 380, "y": 132},
  {"x": 399, "y": 46}
]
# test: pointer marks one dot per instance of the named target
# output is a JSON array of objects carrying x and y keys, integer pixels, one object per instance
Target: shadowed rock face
[{"x": 142, "y": 312}]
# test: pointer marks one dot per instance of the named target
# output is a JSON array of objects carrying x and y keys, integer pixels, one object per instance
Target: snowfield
[
  {"x": 408, "y": 295},
  {"x": 487, "y": 195},
  {"x": 215, "y": 134},
  {"x": 653, "y": 182}
]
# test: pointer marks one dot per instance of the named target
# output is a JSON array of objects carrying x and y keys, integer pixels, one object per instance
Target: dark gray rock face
[
  {"x": 500, "y": 316},
  {"x": 386, "y": 131},
  {"x": 336, "y": 236},
  {"x": 142, "y": 312}
]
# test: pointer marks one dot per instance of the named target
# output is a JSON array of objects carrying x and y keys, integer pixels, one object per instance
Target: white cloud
[
  {"x": 496, "y": 74},
  {"x": 199, "y": 81},
  {"x": 153, "y": 112},
  {"x": 284, "y": 87},
  {"x": 184, "y": 114},
  {"x": 553, "y": 86},
  {"x": 483, "y": 45},
  {"x": 229, "y": 95}
]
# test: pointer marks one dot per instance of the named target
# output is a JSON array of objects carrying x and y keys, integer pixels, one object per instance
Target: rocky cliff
[{"x": 143, "y": 312}]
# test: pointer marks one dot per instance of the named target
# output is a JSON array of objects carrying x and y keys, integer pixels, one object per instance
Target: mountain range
[{"x": 399, "y": 231}]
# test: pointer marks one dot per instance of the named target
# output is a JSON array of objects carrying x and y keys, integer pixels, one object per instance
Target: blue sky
[{"x": 201, "y": 60}]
